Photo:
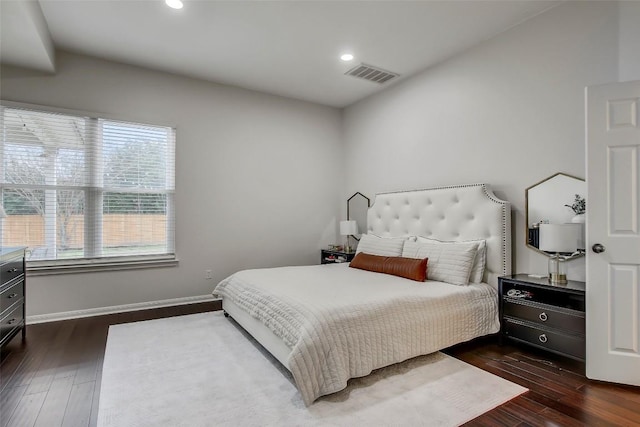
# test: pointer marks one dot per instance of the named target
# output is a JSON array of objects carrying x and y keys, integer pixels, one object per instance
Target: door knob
[{"x": 598, "y": 248}]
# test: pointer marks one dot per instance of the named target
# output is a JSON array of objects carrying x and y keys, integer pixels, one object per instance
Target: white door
[{"x": 613, "y": 234}]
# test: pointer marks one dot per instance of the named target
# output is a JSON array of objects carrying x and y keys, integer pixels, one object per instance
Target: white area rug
[{"x": 204, "y": 370}]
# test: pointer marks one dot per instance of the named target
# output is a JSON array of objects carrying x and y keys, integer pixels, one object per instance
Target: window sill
[{"x": 45, "y": 268}]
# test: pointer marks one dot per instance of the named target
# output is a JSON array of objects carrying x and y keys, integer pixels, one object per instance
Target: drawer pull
[
  {"x": 543, "y": 338},
  {"x": 12, "y": 270},
  {"x": 543, "y": 316},
  {"x": 13, "y": 295},
  {"x": 12, "y": 321}
]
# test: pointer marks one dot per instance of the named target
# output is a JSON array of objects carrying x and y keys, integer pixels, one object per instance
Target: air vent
[{"x": 373, "y": 74}]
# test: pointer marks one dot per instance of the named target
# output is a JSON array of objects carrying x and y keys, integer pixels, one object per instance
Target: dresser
[
  {"x": 12, "y": 294},
  {"x": 547, "y": 316}
]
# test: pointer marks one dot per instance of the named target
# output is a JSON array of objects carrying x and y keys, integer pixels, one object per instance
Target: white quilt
[{"x": 343, "y": 323}]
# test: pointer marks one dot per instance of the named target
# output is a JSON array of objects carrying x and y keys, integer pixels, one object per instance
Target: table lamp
[
  {"x": 559, "y": 239},
  {"x": 348, "y": 228}
]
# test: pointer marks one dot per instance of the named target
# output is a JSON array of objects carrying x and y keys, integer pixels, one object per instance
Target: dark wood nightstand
[
  {"x": 328, "y": 256},
  {"x": 548, "y": 316}
]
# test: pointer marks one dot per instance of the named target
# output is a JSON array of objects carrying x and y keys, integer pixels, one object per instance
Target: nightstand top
[{"x": 525, "y": 278}]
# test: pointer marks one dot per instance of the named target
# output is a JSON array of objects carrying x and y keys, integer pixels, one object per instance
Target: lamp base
[
  {"x": 557, "y": 270},
  {"x": 347, "y": 247},
  {"x": 557, "y": 278}
]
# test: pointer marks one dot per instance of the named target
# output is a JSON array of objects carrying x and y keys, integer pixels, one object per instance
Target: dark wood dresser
[
  {"x": 12, "y": 294},
  {"x": 544, "y": 315}
]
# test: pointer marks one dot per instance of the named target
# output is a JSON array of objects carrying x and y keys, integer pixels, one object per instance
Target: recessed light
[
  {"x": 175, "y": 4},
  {"x": 346, "y": 57}
]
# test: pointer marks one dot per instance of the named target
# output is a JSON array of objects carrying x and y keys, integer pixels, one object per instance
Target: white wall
[
  {"x": 259, "y": 179},
  {"x": 255, "y": 177},
  {"x": 508, "y": 112},
  {"x": 629, "y": 46}
]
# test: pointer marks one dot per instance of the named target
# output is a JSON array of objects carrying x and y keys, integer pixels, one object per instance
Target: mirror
[
  {"x": 357, "y": 207},
  {"x": 557, "y": 200}
]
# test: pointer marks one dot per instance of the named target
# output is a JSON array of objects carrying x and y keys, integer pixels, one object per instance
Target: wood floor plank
[
  {"x": 576, "y": 414},
  {"x": 561, "y": 419},
  {"x": 603, "y": 409},
  {"x": 528, "y": 404},
  {"x": 27, "y": 410},
  {"x": 497, "y": 369},
  {"x": 9, "y": 401},
  {"x": 46, "y": 374},
  {"x": 613, "y": 392},
  {"x": 13, "y": 355},
  {"x": 628, "y": 400},
  {"x": 57, "y": 397},
  {"x": 523, "y": 414},
  {"x": 95, "y": 400},
  {"x": 534, "y": 378},
  {"x": 86, "y": 372},
  {"x": 78, "y": 410},
  {"x": 50, "y": 368},
  {"x": 554, "y": 375},
  {"x": 76, "y": 352},
  {"x": 496, "y": 418},
  {"x": 25, "y": 373}
]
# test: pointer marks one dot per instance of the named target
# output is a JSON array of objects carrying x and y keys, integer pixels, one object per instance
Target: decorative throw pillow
[
  {"x": 409, "y": 268},
  {"x": 382, "y": 246},
  {"x": 447, "y": 263},
  {"x": 479, "y": 262}
]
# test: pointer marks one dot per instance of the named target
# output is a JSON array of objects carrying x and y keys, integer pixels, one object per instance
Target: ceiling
[{"x": 287, "y": 48}]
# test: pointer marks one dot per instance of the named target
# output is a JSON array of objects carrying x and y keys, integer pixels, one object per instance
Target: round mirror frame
[{"x": 526, "y": 215}]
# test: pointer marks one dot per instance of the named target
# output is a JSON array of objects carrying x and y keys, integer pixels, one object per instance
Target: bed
[{"x": 329, "y": 323}]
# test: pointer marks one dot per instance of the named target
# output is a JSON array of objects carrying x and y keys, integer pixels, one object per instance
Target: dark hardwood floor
[
  {"x": 53, "y": 379},
  {"x": 559, "y": 393}
]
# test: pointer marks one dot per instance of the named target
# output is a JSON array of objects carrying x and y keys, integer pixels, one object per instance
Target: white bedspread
[{"x": 342, "y": 323}]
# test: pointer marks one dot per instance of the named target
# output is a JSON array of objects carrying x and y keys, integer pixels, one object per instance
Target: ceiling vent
[{"x": 373, "y": 74}]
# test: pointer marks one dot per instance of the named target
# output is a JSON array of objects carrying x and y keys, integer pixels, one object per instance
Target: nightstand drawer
[
  {"x": 543, "y": 314},
  {"x": 11, "y": 321},
  {"x": 12, "y": 269},
  {"x": 567, "y": 344},
  {"x": 11, "y": 295}
]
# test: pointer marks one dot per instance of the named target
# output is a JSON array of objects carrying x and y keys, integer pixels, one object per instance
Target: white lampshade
[
  {"x": 560, "y": 237},
  {"x": 348, "y": 228}
]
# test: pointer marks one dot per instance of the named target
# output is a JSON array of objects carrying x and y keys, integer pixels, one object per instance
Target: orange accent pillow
[{"x": 409, "y": 268}]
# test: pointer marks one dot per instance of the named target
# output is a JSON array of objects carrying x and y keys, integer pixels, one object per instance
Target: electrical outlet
[{"x": 208, "y": 274}]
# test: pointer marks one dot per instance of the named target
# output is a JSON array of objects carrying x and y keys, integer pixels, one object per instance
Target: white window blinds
[{"x": 78, "y": 188}]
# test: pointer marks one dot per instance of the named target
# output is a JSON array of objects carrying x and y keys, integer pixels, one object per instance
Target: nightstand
[
  {"x": 544, "y": 315},
  {"x": 328, "y": 256}
]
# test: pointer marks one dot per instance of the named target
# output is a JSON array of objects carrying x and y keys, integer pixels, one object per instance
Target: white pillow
[
  {"x": 382, "y": 246},
  {"x": 447, "y": 263},
  {"x": 479, "y": 262}
]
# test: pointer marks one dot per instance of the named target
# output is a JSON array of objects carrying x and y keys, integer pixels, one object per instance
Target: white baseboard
[{"x": 76, "y": 314}]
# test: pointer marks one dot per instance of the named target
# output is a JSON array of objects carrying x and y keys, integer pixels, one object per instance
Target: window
[{"x": 80, "y": 190}]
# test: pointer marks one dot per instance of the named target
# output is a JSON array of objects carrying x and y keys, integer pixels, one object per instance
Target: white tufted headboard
[{"x": 462, "y": 212}]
